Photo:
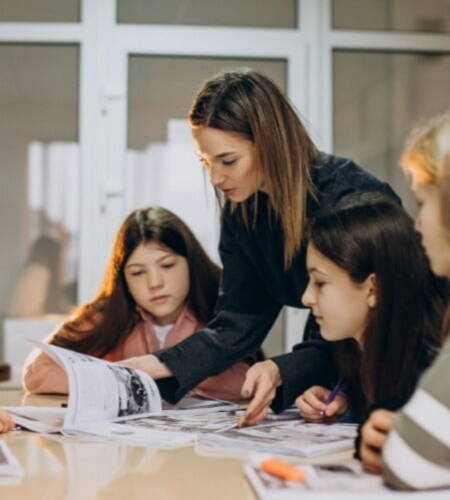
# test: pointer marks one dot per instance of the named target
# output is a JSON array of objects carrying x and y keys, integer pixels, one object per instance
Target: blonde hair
[
  {"x": 426, "y": 157},
  {"x": 249, "y": 104}
]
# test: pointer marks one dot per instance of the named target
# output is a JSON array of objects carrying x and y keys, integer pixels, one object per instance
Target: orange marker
[{"x": 282, "y": 469}]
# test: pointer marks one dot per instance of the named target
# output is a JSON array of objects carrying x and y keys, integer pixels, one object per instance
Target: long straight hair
[
  {"x": 368, "y": 233},
  {"x": 112, "y": 314},
  {"x": 250, "y": 105}
]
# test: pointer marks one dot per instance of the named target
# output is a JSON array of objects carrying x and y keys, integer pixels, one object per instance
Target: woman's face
[
  {"x": 340, "y": 305},
  {"x": 428, "y": 223},
  {"x": 158, "y": 280},
  {"x": 229, "y": 160}
]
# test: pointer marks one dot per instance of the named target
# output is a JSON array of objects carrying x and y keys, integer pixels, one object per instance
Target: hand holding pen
[{"x": 319, "y": 404}]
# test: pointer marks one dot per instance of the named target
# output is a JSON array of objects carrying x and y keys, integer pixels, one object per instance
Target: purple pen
[{"x": 334, "y": 392}]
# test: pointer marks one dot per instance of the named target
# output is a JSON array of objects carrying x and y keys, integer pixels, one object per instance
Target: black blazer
[{"x": 254, "y": 288}]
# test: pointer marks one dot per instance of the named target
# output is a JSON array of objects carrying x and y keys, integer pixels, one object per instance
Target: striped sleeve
[{"x": 417, "y": 452}]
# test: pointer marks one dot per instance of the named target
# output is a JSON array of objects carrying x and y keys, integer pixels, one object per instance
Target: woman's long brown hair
[
  {"x": 249, "y": 104},
  {"x": 112, "y": 313},
  {"x": 368, "y": 233}
]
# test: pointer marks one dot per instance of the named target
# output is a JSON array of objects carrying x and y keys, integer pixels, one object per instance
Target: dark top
[{"x": 254, "y": 288}]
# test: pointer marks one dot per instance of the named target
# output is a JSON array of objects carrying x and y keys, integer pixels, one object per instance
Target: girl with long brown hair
[
  {"x": 159, "y": 288},
  {"x": 416, "y": 453},
  {"x": 375, "y": 297},
  {"x": 271, "y": 180}
]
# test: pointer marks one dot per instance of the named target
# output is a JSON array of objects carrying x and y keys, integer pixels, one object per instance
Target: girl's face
[
  {"x": 158, "y": 280},
  {"x": 340, "y": 305},
  {"x": 229, "y": 160},
  {"x": 428, "y": 223}
]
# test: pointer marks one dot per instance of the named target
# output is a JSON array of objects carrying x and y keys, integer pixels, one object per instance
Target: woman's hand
[
  {"x": 6, "y": 421},
  {"x": 261, "y": 382},
  {"x": 312, "y": 407},
  {"x": 373, "y": 435},
  {"x": 149, "y": 364}
]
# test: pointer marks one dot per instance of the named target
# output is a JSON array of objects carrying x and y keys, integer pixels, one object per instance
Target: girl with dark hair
[
  {"x": 271, "y": 180},
  {"x": 373, "y": 294},
  {"x": 412, "y": 450},
  {"x": 159, "y": 288}
]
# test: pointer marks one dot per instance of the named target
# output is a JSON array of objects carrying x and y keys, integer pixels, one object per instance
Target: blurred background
[{"x": 94, "y": 97}]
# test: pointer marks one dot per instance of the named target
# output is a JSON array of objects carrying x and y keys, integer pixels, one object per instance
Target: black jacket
[{"x": 255, "y": 287}]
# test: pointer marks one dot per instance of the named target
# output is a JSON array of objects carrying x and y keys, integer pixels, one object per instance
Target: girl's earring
[{"x": 372, "y": 301}]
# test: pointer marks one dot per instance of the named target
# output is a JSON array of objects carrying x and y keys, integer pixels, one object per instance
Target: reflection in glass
[
  {"x": 261, "y": 13},
  {"x": 390, "y": 15},
  {"x": 40, "y": 174},
  {"x": 378, "y": 97},
  {"x": 44, "y": 11},
  {"x": 39, "y": 192}
]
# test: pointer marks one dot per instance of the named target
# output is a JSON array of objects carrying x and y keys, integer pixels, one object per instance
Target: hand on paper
[
  {"x": 373, "y": 435},
  {"x": 149, "y": 364},
  {"x": 312, "y": 406},
  {"x": 261, "y": 382},
  {"x": 6, "y": 421}
]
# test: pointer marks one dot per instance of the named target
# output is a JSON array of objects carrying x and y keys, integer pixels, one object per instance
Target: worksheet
[
  {"x": 295, "y": 438},
  {"x": 342, "y": 481}
]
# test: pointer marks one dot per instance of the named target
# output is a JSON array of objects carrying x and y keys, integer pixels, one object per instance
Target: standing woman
[{"x": 271, "y": 179}]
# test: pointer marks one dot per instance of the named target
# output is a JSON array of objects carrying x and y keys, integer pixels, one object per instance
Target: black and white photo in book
[{"x": 133, "y": 398}]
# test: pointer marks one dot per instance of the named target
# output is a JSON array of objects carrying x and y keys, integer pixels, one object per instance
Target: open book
[
  {"x": 100, "y": 392},
  {"x": 111, "y": 402}
]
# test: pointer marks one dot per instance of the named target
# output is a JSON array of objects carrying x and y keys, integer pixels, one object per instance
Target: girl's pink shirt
[{"x": 42, "y": 375}]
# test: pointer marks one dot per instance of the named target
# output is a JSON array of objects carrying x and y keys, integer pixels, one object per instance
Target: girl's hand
[
  {"x": 373, "y": 435},
  {"x": 149, "y": 364},
  {"x": 312, "y": 407},
  {"x": 261, "y": 382},
  {"x": 6, "y": 421}
]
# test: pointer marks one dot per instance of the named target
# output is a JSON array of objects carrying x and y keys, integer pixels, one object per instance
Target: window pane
[
  {"x": 45, "y": 11},
  {"x": 162, "y": 168},
  {"x": 391, "y": 15},
  {"x": 378, "y": 98},
  {"x": 262, "y": 13},
  {"x": 39, "y": 194}
]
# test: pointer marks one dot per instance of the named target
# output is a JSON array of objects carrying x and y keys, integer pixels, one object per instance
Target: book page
[
  {"x": 100, "y": 390},
  {"x": 295, "y": 438},
  {"x": 342, "y": 481},
  {"x": 38, "y": 419}
]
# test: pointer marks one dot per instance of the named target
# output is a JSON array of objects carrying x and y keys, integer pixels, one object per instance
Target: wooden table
[{"x": 67, "y": 468}]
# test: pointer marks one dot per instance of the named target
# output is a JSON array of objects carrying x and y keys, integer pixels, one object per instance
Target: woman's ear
[{"x": 371, "y": 282}]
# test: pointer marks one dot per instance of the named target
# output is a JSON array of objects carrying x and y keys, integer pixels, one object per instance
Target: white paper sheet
[{"x": 341, "y": 481}]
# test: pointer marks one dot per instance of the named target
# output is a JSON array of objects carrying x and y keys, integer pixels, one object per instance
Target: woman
[
  {"x": 416, "y": 454},
  {"x": 384, "y": 320},
  {"x": 272, "y": 180},
  {"x": 159, "y": 288}
]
